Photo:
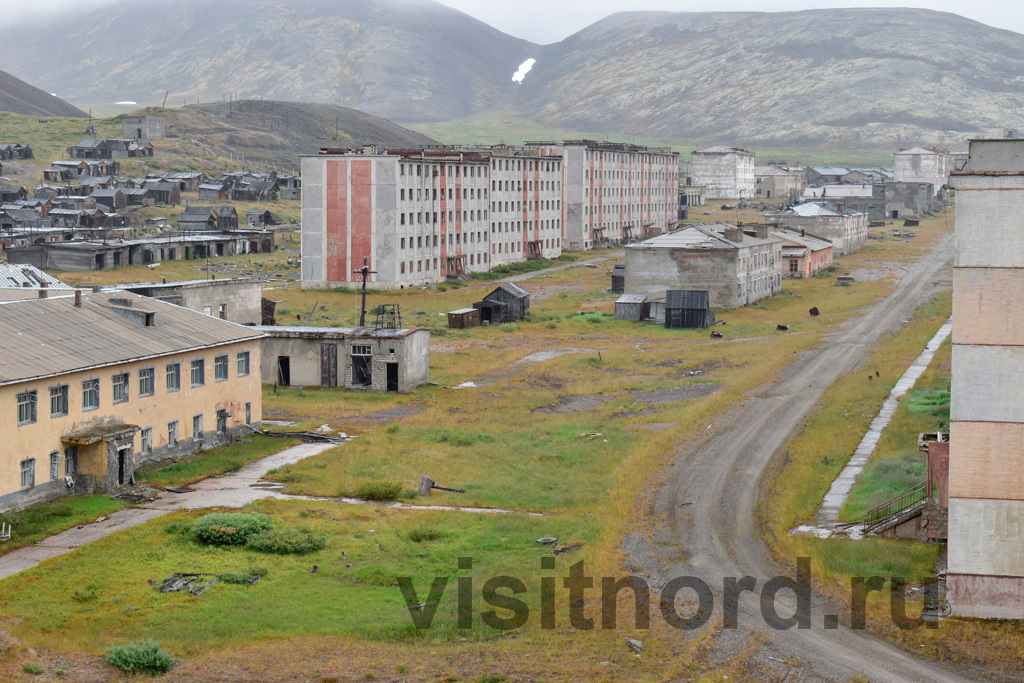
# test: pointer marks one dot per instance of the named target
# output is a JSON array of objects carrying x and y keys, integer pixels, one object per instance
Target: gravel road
[{"x": 705, "y": 502}]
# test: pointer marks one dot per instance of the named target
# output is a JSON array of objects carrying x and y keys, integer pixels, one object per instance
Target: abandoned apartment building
[
  {"x": 137, "y": 380},
  {"x": 378, "y": 359},
  {"x": 724, "y": 172},
  {"x": 807, "y": 255},
  {"x": 238, "y": 300},
  {"x": 986, "y": 462},
  {"x": 735, "y": 265},
  {"x": 612, "y": 192}
]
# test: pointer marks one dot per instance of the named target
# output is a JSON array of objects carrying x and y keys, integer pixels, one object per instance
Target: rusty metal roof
[
  {"x": 46, "y": 337},
  {"x": 24, "y": 275}
]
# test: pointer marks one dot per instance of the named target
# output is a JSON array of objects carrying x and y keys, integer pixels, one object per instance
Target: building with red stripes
[{"x": 614, "y": 192}]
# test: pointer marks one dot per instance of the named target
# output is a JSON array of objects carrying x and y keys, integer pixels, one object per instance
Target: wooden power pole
[{"x": 365, "y": 272}]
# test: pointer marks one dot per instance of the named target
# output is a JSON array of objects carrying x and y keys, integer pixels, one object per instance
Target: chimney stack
[
  {"x": 734, "y": 234},
  {"x": 42, "y": 293},
  {"x": 95, "y": 289},
  {"x": 78, "y": 298},
  {"x": 761, "y": 232}
]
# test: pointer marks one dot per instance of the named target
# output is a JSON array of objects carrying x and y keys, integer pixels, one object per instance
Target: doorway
[
  {"x": 284, "y": 370},
  {"x": 894, "y": 214},
  {"x": 362, "y": 371},
  {"x": 123, "y": 454},
  {"x": 392, "y": 384},
  {"x": 329, "y": 365}
]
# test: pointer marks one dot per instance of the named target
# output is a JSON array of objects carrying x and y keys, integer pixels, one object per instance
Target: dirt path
[
  {"x": 707, "y": 499},
  {"x": 574, "y": 264}
]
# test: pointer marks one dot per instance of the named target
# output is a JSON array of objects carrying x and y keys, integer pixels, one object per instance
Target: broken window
[
  {"x": 90, "y": 394},
  {"x": 59, "y": 400},
  {"x": 147, "y": 440},
  {"x": 198, "y": 372},
  {"x": 146, "y": 383},
  {"x": 197, "y": 426},
  {"x": 172, "y": 433},
  {"x": 248, "y": 413},
  {"x": 243, "y": 363},
  {"x": 26, "y": 407},
  {"x": 54, "y": 465},
  {"x": 28, "y": 473},
  {"x": 173, "y": 376},
  {"x": 120, "y": 392},
  {"x": 220, "y": 368},
  {"x": 362, "y": 365}
]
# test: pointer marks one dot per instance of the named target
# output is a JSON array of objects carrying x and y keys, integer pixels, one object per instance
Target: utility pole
[{"x": 365, "y": 272}]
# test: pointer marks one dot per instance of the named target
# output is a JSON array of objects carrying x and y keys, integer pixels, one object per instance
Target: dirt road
[{"x": 706, "y": 503}]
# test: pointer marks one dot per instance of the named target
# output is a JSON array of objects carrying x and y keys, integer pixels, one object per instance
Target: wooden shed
[
  {"x": 619, "y": 279},
  {"x": 507, "y": 304},
  {"x": 630, "y": 307},
  {"x": 688, "y": 309},
  {"x": 464, "y": 317}
]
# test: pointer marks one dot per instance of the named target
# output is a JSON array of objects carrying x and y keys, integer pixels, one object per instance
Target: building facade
[
  {"x": 415, "y": 217},
  {"x": 845, "y": 228},
  {"x": 142, "y": 127},
  {"x": 919, "y": 165},
  {"x": 735, "y": 266},
  {"x": 83, "y": 418},
  {"x": 726, "y": 172},
  {"x": 775, "y": 183},
  {"x": 612, "y": 192},
  {"x": 804, "y": 255},
  {"x": 985, "y": 574}
]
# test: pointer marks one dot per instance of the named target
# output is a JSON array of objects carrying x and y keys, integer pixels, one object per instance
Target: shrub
[
  {"x": 222, "y": 528},
  {"x": 420, "y": 534},
  {"x": 287, "y": 541},
  {"x": 140, "y": 655},
  {"x": 178, "y": 526},
  {"x": 32, "y": 669},
  {"x": 508, "y": 327},
  {"x": 378, "y": 490}
]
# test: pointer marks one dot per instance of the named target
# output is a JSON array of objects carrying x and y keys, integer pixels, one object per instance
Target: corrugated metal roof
[
  {"x": 15, "y": 276},
  {"x": 46, "y": 337},
  {"x": 631, "y": 299},
  {"x": 514, "y": 289},
  {"x": 830, "y": 170}
]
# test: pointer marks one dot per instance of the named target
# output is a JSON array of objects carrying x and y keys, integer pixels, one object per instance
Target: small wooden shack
[
  {"x": 630, "y": 307},
  {"x": 507, "y": 304},
  {"x": 688, "y": 309},
  {"x": 463, "y": 318}
]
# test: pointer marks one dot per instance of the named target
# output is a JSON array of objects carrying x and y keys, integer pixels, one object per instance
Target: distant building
[
  {"x": 614, "y": 192},
  {"x": 138, "y": 380},
  {"x": 825, "y": 175},
  {"x": 726, "y": 172},
  {"x": 508, "y": 303},
  {"x": 142, "y": 127},
  {"x": 771, "y": 182},
  {"x": 919, "y": 165},
  {"x": 805, "y": 254},
  {"x": 238, "y": 300},
  {"x": 985, "y": 571},
  {"x": 736, "y": 266},
  {"x": 845, "y": 228}
]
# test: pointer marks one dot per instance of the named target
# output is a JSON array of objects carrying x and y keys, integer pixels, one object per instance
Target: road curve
[{"x": 703, "y": 505}]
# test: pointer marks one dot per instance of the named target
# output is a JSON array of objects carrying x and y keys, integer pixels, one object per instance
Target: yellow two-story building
[{"x": 92, "y": 384}]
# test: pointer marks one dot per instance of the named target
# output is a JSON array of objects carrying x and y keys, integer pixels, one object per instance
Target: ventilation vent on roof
[{"x": 127, "y": 303}]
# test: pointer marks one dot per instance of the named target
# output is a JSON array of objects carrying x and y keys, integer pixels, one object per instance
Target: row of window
[
  {"x": 634, "y": 157},
  {"x": 460, "y": 171},
  {"x": 120, "y": 389},
  {"x": 424, "y": 194},
  {"x": 505, "y": 248},
  {"x": 626, "y": 192},
  {"x": 28, "y": 466},
  {"x": 446, "y": 240},
  {"x": 614, "y": 208},
  {"x": 517, "y": 165},
  {"x": 630, "y": 175},
  {"x": 542, "y": 205},
  {"x": 420, "y": 218},
  {"x": 420, "y": 266},
  {"x": 517, "y": 186}
]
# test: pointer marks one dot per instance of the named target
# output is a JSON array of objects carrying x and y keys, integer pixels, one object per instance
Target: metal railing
[{"x": 910, "y": 498}]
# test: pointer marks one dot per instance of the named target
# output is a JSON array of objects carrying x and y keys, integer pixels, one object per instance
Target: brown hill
[{"x": 18, "y": 97}]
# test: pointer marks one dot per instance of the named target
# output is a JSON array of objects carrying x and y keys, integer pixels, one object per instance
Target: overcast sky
[{"x": 548, "y": 21}]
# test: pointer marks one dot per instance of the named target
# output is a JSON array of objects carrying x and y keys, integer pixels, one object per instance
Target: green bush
[
  {"x": 287, "y": 541},
  {"x": 140, "y": 655},
  {"x": 378, "y": 490},
  {"x": 508, "y": 327},
  {"x": 420, "y": 534},
  {"x": 225, "y": 528},
  {"x": 32, "y": 669}
]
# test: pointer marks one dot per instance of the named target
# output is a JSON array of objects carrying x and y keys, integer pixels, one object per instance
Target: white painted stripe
[{"x": 836, "y": 497}]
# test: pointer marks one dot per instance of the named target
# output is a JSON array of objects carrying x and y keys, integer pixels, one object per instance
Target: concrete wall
[
  {"x": 986, "y": 487},
  {"x": 725, "y": 175},
  {"x": 39, "y": 439},
  {"x": 243, "y": 300},
  {"x": 927, "y": 167},
  {"x": 848, "y": 233},
  {"x": 526, "y": 205},
  {"x": 152, "y": 127}
]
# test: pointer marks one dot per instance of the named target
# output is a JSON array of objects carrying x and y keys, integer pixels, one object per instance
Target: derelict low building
[{"x": 356, "y": 358}]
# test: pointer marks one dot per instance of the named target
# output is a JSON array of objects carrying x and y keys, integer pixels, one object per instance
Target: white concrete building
[
  {"x": 726, "y": 172},
  {"x": 845, "y": 228},
  {"x": 613, "y": 192},
  {"x": 986, "y": 458},
  {"x": 919, "y": 165}
]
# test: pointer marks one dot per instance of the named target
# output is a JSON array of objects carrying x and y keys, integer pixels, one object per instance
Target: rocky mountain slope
[
  {"x": 838, "y": 77},
  {"x": 282, "y": 131},
  {"x": 841, "y": 77},
  {"x": 18, "y": 97},
  {"x": 406, "y": 60}
]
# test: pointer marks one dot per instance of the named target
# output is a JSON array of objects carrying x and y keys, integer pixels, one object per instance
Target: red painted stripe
[
  {"x": 362, "y": 213},
  {"x": 336, "y": 266}
]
